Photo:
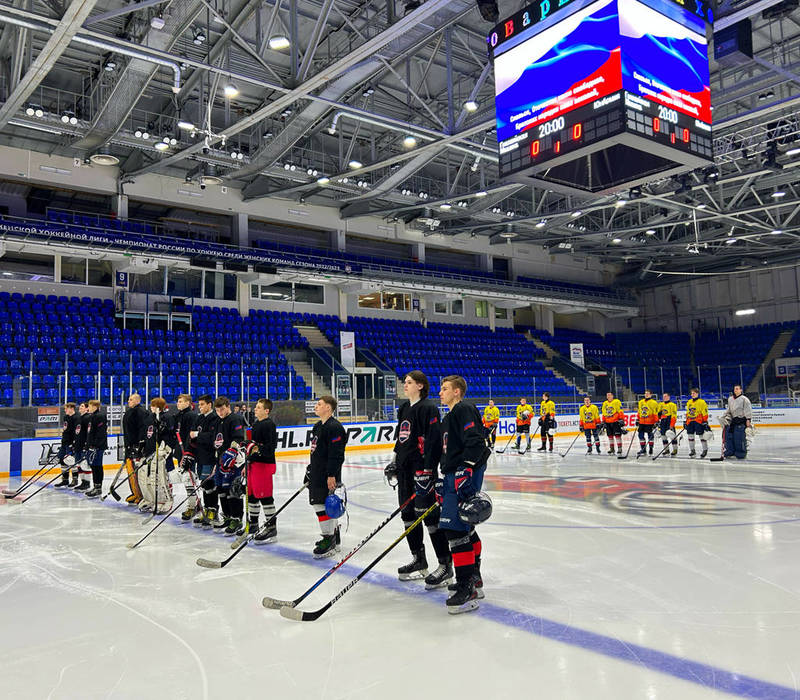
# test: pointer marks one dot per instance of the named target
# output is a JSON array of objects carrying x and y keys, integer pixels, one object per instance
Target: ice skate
[
  {"x": 477, "y": 584},
  {"x": 439, "y": 577},
  {"x": 94, "y": 492},
  {"x": 416, "y": 569},
  {"x": 326, "y": 547},
  {"x": 464, "y": 599},
  {"x": 188, "y": 514},
  {"x": 233, "y": 525},
  {"x": 266, "y": 535}
]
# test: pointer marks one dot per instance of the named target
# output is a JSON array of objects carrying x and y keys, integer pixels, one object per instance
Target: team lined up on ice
[
  {"x": 651, "y": 416},
  {"x": 438, "y": 469}
]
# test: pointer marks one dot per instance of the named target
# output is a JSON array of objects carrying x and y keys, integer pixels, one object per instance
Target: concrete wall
[{"x": 774, "y": 294}]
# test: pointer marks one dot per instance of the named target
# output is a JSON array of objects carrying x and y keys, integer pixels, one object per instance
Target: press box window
[{"x": 482, "y": 309}]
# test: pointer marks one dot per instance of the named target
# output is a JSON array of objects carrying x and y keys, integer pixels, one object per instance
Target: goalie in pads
[{"x": 158, "y": 446}]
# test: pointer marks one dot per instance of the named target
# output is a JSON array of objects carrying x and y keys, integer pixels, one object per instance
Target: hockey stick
[
  {"x": 208, "y": 564},
  {"x": 275, "y": 604},
  {"x": 133, "y": 545},
  {"x": 505, "y": 447},
  {"x": 630, "y": 444},
  {"x": 667, "y": 446},
  {"x": 527, "y": 442},
  {"x": 41, "y": 488},
  {"x": 8, "y": 493},
  {"x": 112, "y": 489},
  {"x": 114, "y": 483},
  {"x": 295, "y": 614},
  {"x": 570, "y": 446}
]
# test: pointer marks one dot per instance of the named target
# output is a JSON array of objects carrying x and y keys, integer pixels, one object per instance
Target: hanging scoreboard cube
[{"x": 600, "y": 95}]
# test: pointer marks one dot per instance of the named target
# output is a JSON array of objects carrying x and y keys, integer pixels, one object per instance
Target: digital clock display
[{"x": 601, "y": 69}]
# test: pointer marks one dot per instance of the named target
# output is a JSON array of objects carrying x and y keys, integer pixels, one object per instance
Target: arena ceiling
[{"x": 359, "y": 106}]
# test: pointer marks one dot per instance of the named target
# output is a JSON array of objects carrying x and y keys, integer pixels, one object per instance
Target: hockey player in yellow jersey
[
  {"x": 491, "y": 419},
  {"x": 589, "y": 422},
  {"x": 646, "y": 420},
  {"x": 547, "y": 421},
  {"x": 614, "y": 422},
  {"x": 696, "y": 422},
  {"x": 524, "y": 414},
  {"x": 667, "y": 417}
]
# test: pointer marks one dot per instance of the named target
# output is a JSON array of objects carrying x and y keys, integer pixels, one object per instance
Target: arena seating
[
  {"x": 79, "y": 334},
  {"x": 738, "y": 352},
  {"x": 500, "y": 363}
]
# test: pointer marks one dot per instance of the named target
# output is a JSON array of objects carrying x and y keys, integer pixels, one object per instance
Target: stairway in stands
[
  {"x": 626, "y": 394},
  {"x": 776, "y": 351},
  {"x": 312, "y": 333},
  {"x": 548, "y": 363}
]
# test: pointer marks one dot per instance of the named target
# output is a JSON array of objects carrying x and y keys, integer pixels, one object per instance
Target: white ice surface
[{"x": 666, "y": 579}]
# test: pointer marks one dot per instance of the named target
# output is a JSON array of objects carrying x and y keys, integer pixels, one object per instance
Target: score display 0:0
[
  {"x": 683, "y": 132},
  {"x": 536, "y": 146}
]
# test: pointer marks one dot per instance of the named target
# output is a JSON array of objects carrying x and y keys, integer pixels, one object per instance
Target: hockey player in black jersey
[
  {"x": 262, "y": 469},
  {"x": 417, "y": 451},
  {"x": 184, "y": 422},
  {"x": 96, "y": 445},
  {"x": 324, "y": 473},
  {"x": 66, "y": 458},
  {"x": 202, "y": 446},
  {"x": 230, "y": 460},
  {"x": 82, "y": 471},
  {"x": 463, "y": 462}
]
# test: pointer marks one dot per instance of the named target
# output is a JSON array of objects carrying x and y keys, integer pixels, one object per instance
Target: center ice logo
[{"x": 651, "y": 499}]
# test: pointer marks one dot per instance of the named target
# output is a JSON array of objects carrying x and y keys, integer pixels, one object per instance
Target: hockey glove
[
  {"x": 541, "y": 422},
  {"x": 423, "y": 482},
  {"x": 637, "y": 422},
  {"x": 463, "y": 484},
  {"x": 438, "y": 490},
  {"x": 705, "y": 427},
  {"x": 187, "y": 462},
  {"x": 582, "y": 429},
  {"x": 91, "y": 456},
  {"x": 238, "y": 487},
  {"x": 390, "y": 472},
  {"x": 228, "y": 460},
  {"x": 251, "y": 450}
]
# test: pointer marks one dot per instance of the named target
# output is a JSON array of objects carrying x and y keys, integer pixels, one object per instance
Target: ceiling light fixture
[
  {"x": 481, "y": 193},
  {"x": 409, "y": 141},
  {"x": 616, "y": 240},
  {"x": 186, "y": 126},
  {"x": 541, "y": 224},
  {"x": 445, "y": 206},
  {"x": 778, "y": 193},
  {"x": 650, "y": 232},
  {"x": 104, "y": 157},
  {"x": 355, "y": 164},
  {"x": 745, "y": 312},
  {"x": 230, "y": 90},
  {"x": 576, "y": 214},
  {"x": 323, "y": 180},
  {"x": 161, "y": 146},
  {"x": 471, "y": 106},
  {"x": 730, "y": 241},
  {"x": 279, "y": 42}
]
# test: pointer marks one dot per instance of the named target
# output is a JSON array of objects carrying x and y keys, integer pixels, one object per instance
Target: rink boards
[{"x": 20, "y": 456}]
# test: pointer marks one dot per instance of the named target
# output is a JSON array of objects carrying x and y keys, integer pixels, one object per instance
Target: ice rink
[{"x": 604, "y": 578}]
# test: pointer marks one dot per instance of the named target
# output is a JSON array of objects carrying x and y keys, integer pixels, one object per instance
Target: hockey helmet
[
  {"x": 336, "y": 502},
  {"x": 476, "y": 509}
]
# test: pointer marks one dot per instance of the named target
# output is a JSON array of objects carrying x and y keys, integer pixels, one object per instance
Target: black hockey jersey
[
  {"x": 134, "y": 426},
  {"x": 229, "y": 429},
  {"x": 81, "y": 430},
  {"x": 97, "y": 431},
  {"x": 184, "y": 422},
  {"x": 68, "y": 430},
  {"x": 265, "y": 434},
  {"x": 418, "y": 437},
  {"x": 327, "y": 449},
  {"x": 159, "y": 429},
  {"x": 463, "y": 439},
  {"x": 203, "y": 444}
]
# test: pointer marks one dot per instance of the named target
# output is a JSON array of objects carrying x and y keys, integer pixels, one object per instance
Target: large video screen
[
  {"x": 665, "y": 57},
  {"x": 555, "y": 70},
  {"x": 558, "y": 77}
]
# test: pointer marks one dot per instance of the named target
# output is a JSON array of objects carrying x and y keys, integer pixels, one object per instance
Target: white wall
[
  {"x": 64, "y": 290},
  {"x": 775, "y": 294}
]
